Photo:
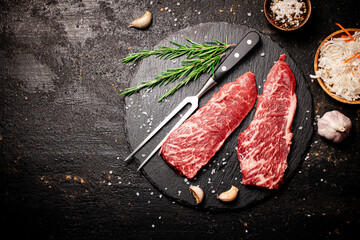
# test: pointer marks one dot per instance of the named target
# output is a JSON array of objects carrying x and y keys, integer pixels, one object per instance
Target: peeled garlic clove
[
  {"x": 142, "y": 22},
  {"x": 229, "y": 195},
  {"x": 334, "y": 126},
  {"x": 197, "y": 192}
]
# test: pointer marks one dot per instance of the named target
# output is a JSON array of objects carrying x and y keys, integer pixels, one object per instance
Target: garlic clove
[
  {"x": 197, "y": 192},
  {"x": 143, "y": 21},
  {"x": 334, "y": 126},
  {"x": 229, "y": 195}
]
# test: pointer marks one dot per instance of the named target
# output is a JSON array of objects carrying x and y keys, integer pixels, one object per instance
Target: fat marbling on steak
[
  {"x": 196, "y": 141},
  {"x": 264, "y": 146}
]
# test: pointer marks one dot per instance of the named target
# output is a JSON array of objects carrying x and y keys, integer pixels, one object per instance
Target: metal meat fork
[{"x": 244, "y": 46}]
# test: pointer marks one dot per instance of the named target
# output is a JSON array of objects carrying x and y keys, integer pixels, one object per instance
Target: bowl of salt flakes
[{"x": 287, "y": 15}]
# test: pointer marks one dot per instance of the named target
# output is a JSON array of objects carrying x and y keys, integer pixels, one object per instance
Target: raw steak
[
  {"x": 197, "y": 140},
  {"x": 264, "y": 146}
]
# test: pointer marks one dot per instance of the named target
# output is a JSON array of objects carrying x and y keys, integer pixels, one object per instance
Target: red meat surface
[
  {"x": 264, "y": 146},
  {"x": 195, "y": 142}
]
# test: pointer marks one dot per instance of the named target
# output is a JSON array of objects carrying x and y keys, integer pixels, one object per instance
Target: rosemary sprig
[
  {"x": 200, "y": 58},
  {"x": 195, "y": 49}
]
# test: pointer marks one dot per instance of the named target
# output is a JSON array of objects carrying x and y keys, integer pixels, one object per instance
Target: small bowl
[
  {"x": 270, "y": 20},
  {"x": 316, "y": 61}
]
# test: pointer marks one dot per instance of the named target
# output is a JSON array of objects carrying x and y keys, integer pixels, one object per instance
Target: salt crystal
[
  {"x": 179, "y": 192},
  {"x": 152, "y": 193},
  {"x": 175, "y": 19},
  {"x": 143, "y": 155},
  {"x": 153, "y": 225},
  {"x": 166, "y": 8},
  {"x": 249, "y": 14},
  {"x": 223, "y": 163},
  {"x": 213, "y": 171},
  {"x": 109, "y": 183},
  {"x": 212, "y": 191},
  {"x": 300, "y": 127},
  {"x": 262, "y": 54},
  {"x": 137, "y": 194},
  {"x": 178, "y": 3},
  {"x": 160, "y": 196},
  {"x": 110, "y": 171}
]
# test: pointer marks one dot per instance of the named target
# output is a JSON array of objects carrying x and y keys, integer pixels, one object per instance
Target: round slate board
[{"x": 144, "y": 113}]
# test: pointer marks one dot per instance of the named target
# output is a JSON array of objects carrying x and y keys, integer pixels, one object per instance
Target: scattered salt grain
[
  {"x": 213, "y": 171},
  {"x": 300, "y": 127},
  {"x": 152, "y": 193},
  {"x": 249, "y": 14},
  {"x": 137, "y": 194},
  {"x": 262, "y": 54},
  {"x": 153, "y": 225},
  {"x": 109, "y": 183},
  {"x": 212, "y": 191},
  {"x": 179, "y": 192},
  {"x": 160, "y": 196}
]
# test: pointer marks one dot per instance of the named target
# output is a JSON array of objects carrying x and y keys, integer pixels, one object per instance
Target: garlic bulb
[{"x": 334, "y": 126}]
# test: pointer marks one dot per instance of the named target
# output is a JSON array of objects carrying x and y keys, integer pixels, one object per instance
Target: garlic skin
[
  {"x": 198, "y": 193},
  {"x": 143, "y": 21},
  {"x": 334, "y": 126}
]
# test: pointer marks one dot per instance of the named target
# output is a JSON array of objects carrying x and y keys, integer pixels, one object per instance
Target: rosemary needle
[{"x": 200, "y": 58}]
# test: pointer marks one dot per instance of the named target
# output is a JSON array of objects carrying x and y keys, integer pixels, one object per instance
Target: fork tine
[{"x": 161, "y": 125}]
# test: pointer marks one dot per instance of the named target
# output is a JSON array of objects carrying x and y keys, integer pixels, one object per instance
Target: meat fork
[{"x": 243, "y": 47}]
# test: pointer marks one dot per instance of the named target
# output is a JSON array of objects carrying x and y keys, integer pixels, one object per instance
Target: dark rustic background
[{"x": 63, "y": 136}]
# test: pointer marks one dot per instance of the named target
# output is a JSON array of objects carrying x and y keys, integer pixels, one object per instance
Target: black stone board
[{"x": 144, "y": 113}]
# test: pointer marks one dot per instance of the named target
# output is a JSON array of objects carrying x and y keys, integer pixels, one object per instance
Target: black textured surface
[
  {"x": 144, "y": 114},
  {"x": 63, "y": 130}
]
